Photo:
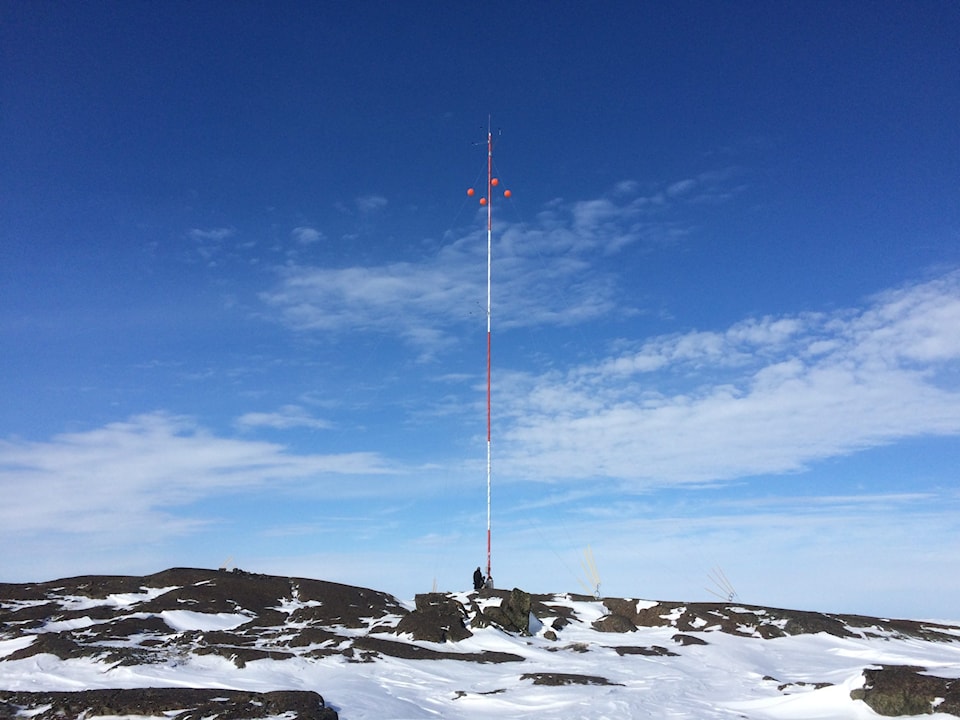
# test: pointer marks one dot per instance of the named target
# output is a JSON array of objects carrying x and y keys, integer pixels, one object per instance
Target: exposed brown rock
[
  {"x": 893, "y": 690},
  {"x": 565, "y": 679},
  {"x": 614, "y": 624},
  {"x": 175, "y": 703}
]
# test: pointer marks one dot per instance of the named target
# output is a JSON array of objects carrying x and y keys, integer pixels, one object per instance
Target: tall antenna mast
[{"x": 487, "y": 201}]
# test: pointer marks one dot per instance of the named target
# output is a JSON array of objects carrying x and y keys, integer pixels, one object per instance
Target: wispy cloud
[
  {"x": 215, "y": 234},
  {"x": 126, "y": 478},
  {"x": 767, "y": 395},
  {"x": 306, "y": 235},
  {"x": 289, "y": 416},
  {"x": 371, "y": 203},
  {"x": 400, "y": 298},
  {"x": 546, "y": 274},
  {"x": 422, "y": 303},
  {"x": 210, "y": 242},
  {"x": 681, "y": 187}
]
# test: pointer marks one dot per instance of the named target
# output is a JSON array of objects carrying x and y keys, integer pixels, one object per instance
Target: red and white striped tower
[{"x": 486, "y": 200}]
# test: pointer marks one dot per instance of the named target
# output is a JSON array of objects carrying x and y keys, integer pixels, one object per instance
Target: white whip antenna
[
  {"x": 487, "y": 200},
  {"x": 723, "y": 587},
  {"x": 589, "y": 565}
]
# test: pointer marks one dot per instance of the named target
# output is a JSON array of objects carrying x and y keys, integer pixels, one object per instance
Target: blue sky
[{"x": 242, "y": 295}]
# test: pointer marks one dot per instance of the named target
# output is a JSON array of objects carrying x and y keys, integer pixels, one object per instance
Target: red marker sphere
[
  {"x": 470, "y": 192},
  {"x": 506, "y": 193},
  {"x": 495, "y": 182},
  {"x": 483, "y": 201}
]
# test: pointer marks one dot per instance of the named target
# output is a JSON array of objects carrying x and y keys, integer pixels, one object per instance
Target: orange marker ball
[
  {"x": 495, "y": 182},
  {"x": 507, "y": 193},
  {"x": 470, "y": 192},
  {"x": 483, "y": 201}
]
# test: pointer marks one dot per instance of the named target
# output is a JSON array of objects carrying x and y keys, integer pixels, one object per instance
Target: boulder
[
  {"x": 513, "y": 613},
  {"x": 893, "y": 690},
  {"x": 478, "y": 619},
  {"x": 614, "y": 624},
  {"x": 438, "y": 618}
]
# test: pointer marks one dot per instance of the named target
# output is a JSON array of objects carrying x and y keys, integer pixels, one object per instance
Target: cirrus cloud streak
[
  {"x": 134, "y": 473},
  {"x": 768, "y": 395}
]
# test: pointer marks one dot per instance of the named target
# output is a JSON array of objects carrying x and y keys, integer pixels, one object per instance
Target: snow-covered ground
[
  {"x": 655, "y": 674},
  {"x": 724, "y": 679}
]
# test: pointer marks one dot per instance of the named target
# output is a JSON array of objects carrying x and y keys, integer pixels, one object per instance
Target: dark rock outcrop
[
  {"x": 59, "y": 644},
  {"x": 652, "y": 651},
  {"x": 438, "y": 618},
  {"x": 565, "y": 679},
  {"x": 127, "y": 620},
  {"x": 392, "y": 648},
  {"x": 513, "y": 613},
  {"x": 175, "y": 703},
  {"x": 614, "y": 624},
  {"x": 682, "y": 639},
  {"x": 893, "y": 690},
  {"x": 766, "y": 623}
]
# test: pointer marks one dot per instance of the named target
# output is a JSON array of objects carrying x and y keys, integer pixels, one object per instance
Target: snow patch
[
  {"x": 8, "y": 647},
  {"x": 184, "y": 620},
  {"x": 119, "y": 600},
  {"x": 72, "y": 624}
]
